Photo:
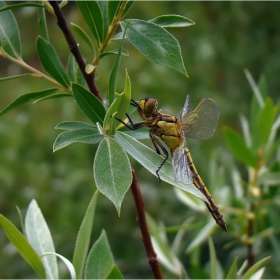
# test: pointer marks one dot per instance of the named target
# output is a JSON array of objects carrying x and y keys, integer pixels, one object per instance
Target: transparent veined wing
[
  {"x": 181, "y": 170},
  {"x": 186, "y": 107},
  {"x": 201, "y": 122}
]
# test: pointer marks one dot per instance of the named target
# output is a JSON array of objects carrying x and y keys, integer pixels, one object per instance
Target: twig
[
  {"x": 146, "y": 237},
  {"x": 74, "y": 49},
  {"x": 250, "y": 233}
]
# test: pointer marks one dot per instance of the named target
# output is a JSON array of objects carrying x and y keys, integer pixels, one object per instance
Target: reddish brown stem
[
  {"x": 74, "y": 49},
  {"x": 250, "y": 253},
  {"x": 146, "y": 237}
]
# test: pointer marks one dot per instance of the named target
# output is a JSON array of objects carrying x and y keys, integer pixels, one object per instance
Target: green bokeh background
[{"x": 227, "y": 38}]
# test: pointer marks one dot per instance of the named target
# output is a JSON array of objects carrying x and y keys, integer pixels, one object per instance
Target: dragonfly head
[{"x": 148, "y": 107}]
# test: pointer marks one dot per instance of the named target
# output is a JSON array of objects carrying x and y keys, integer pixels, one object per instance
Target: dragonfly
[{"x": 200, "y": 123}]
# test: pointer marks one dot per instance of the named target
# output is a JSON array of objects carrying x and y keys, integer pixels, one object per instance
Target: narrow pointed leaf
[
  {"x": 68, "y": 264},
  {"x": 92, "y": 15},
  {"x": 100, "y": 259},
  {"x": 89, "y": 103},
  {"x": 161, "y": 246},
  {"x": 26, "y": 4},
  {"x": 255, "y": 268},
  {"x": 15, "y": 77},
  {"x": 72, "y": 125},
  {"x": 155, "y": 43},
  {"x": 114, "y": 75},
  {"x": 51, "y": 61},
  {"x": 213, "y": 259},
  {"x": 53, "y": 96},
  {"x": 265, "y": 119},
  {"x": 27, "y": 97},
  {"x": 9, "y": 33},
  {"x": 83, "y": 238},
  {"x": 112, "y": 171},
  {"x": 113, "y": 8},
  {"x": 43, "y": 23},
  {"x": 39, "y": 236},
  {"x": 23, "y": 246},
  {"x": 115, "y": 52},
  {"x": 118, "y": 108},
  {"x": 151, "y": 161},
  {"x": 238, "y": 147},
  {"x": 232, "y": 274},
  {"x": 81, "y": 135},
  {"x": 202, "y": 235},
  {"x": 74, "y": 72},
  {"x": 114, "y": 273},
  {"x": 83, "y": 35},
  {"x": 172, "y": 21}
]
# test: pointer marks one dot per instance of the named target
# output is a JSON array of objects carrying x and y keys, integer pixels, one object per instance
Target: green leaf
[
  {"x": 74, "y": 72},
  {"x": 155, "y": 43},
  {"x": 113, "y": 8},
  {"x": 68, "y": 264},
  {"x": 100, "y": 259},
  {"x": 213, "y": 259},
  {"x": 92, "y": 15},
  {"x": 89, "y": 103},
  {"x": 168, "y": 21},
  {"x": 51, "y": 61},
  {"x": 127, "y": 8},
  {"x": 22, "y": 245},
  {"x": 83, "y": 35},
  {"x": 81, "y": 135},
  {"x": 238, "y": 147},
  {"x": 27, "y": 97},
  {"x": 104, "y": 10},
  {"x": 26, "y": 4},
  {"x": 114, "y": 273},
  {"x": 151, "y": 161},
  {"x": 264, "y": 122},
  {"x": 39, "y": 236},
  {"x": 9, "y": 33},
  {"x": 270, "y": 178},
  {"x": 115, "y": 52},
  {"x": 112, "y": 171},
  {"x": 232, "y": 274},
  {"x": 255, "y": 268},
  {"x": 15, "y": 77},
  {"x": 83, "y": 238},
  {"x": 202, "y": 235},
  {"x": 114, "y": 75},
  {"x": 118, "y": 108},
  {"x": 72, "y": 125},
  {"x": 43, "y": 23},
  {"x": 165, "y": 254},
  {"x": 52, "y": 96}
]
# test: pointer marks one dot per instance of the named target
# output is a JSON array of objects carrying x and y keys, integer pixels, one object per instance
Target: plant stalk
[
  {"x": 74, "y": 49},
  {"x": 146, "y": 237}
]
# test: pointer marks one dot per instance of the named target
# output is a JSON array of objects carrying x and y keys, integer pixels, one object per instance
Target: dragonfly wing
[
  {"x": 181, "y": 170},
  {"x": 186, "y": 107},
  {"x": 201, "y": 122}
]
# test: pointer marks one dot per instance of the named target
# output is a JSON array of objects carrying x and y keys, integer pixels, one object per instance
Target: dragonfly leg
[
  {"x": 132, "y": 126},
  {"x": 158, "y": 145}
]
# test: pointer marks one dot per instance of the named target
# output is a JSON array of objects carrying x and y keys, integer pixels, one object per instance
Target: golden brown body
[{"x": 199, "y": 124}]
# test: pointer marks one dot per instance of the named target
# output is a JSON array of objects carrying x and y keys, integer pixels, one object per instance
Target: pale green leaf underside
[
  {"x": 151, "y": 161},
  {"x": 112, "y": 171},
  {"x": 39, "y": 236}
]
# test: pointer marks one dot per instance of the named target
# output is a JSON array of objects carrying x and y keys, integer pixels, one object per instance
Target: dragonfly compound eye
[{"x": 150, "y": 106}]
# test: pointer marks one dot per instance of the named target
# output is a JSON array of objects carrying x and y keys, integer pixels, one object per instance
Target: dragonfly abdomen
[{"x": 212, "y": 206}]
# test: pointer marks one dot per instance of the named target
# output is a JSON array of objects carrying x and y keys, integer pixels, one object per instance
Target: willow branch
[
  {"x": 74, "y": 49},
  {"x": 146, "y": 237}
]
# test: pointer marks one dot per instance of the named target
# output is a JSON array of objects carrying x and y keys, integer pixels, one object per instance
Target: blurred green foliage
[{"x": 227, "y": 37}]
